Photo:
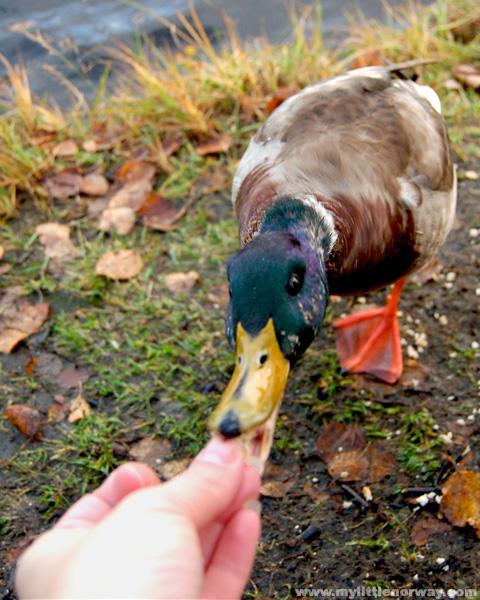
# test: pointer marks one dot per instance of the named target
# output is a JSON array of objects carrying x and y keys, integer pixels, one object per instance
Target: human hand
[{"x": 133, "y": 538}]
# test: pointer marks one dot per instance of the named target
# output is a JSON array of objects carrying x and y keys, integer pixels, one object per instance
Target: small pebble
[
  {"x": 451, "y": 276},
  {"x": 448, "y": 285},
  {"x": 361, "y": 300},
  {"x": 421, "y": 339},
  {"x": 411, "y": 352},
  {"x": 315, "y": 479},
  {"x": 461, "y": 422},
  {"x": 443, "y": 320},
  {"x": 367, "y": 493},
  {"x": 440, "y": 560},
  {"x": 471, "y": 175},
  {"x": 423, "y": 500},
  {"x": 311, "y": 533},
  {"x": 475, "y": 345},
  {"x": 446, "y": 438},
  {"x": 473, "y": 232},
  {"x": 347, "y": 504},
  {"x": 451, "y": 397}
]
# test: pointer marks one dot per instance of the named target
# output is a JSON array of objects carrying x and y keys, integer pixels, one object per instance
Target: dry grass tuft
[{"x": 198, "y": 90}]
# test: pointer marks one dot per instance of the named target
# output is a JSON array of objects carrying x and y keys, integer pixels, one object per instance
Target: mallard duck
[{"x": 348, "y": 187}]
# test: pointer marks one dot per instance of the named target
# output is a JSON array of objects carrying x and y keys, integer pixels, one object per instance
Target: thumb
[{"x": 201, "y": 493}]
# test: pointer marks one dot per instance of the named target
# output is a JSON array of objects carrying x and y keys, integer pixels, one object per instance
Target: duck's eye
[
  {"x": 262, "y": 359},
  {"x": 295, "y": 282}
]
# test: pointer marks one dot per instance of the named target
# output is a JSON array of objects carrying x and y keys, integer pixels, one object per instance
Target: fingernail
[
  {"x": 254, "y": 505},
  {"x": 219, "y": 452}
]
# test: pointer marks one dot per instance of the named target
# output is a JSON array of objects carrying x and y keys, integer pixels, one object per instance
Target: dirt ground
[{"x": 317, "y": 532}]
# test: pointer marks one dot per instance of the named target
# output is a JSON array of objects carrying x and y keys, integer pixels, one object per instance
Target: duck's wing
[{"x": 374, "y": 152}]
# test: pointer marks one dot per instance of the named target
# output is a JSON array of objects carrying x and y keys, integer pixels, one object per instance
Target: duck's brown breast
[{"x": 375, "y": 154}]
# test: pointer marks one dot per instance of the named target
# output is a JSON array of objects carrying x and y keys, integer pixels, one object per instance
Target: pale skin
[{"x": 135, "y": 537}]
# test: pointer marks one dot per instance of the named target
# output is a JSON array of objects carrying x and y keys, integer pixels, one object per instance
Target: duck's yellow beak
[{"x": 256, "y": 388}]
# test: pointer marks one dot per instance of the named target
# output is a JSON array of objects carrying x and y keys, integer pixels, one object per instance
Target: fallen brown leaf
[
  {"x": 463, "y": 28},
  {"x": 132, "y": 194},
  {"x": 181, "y": 282},
  {"x": 452, "y": 84},
  {"x": 79, "y": 409},
  {"x": 468, "y": 75},
  {"x": 279, "y": 98},
  {"x": 30, "y": 366},
  {"x": 219, "y": 296},
  {"x": 348, "y": 456},
  {"x": 173, "y": 467},
  {"x": 104, "y": 137},
  {"x": 94, "y": 184},
  {"x": 27, "y": 420},
  {"x": 461, "y": 499},
  {"x": 65, "y": 148},
  {"x": 151, "y": 450},
  {"x": 338, "y": 437},
  {"x": 119, "y": 265},
  {"x": 55, "y": 238},
  {"x": 215, "y": 145},
  {"x": 349, "y": 466},
  {"x": 72, "y": 377},
  {"x": 160, "y": 213},
  {"x": 18, "y": 320},
  {"x": 317, "y": 496},
  {"x": 133, "y": 170},
  {"x": 121, "y": 218},
  {"x": 414, "y": 374},
  {"x": 378, "y": 389},
  {"x": 277, "y": 481},
  {"x": 91, "y": 145},
  {"x": 381, "y": 462},
  {"x": 424, "y": 528},
  {"x": 211, "y": 181},
  {"x": 64, "y": 184},
  {"x": 58, "y": 410},
  {"x": 171, "y": 144},
  {"x": 42, "y": 137},
  {"x": 370, "y": 57},
  {"x": 97, "y": 206},
  {"x": 13, "y": 553}
]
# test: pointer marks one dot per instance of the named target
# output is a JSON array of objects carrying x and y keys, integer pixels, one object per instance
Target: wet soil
[{"x": 319, "y": 533}]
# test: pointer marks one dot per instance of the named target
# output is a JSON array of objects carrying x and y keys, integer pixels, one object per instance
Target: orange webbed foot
[{"x": 369, "y": 341}]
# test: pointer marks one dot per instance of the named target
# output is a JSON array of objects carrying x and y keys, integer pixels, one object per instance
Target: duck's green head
[{"x": 278, "y": 296}]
